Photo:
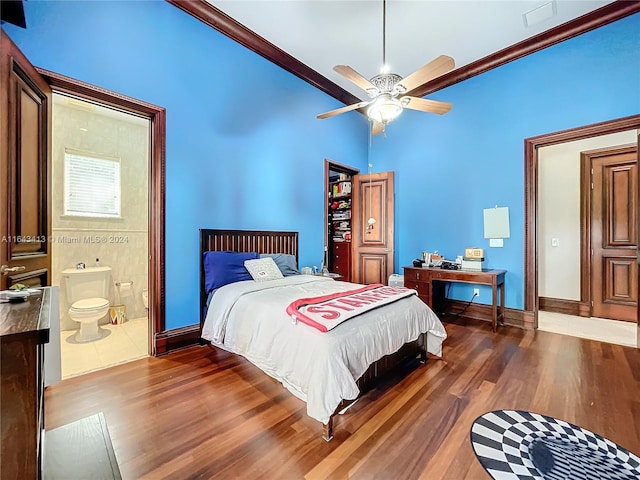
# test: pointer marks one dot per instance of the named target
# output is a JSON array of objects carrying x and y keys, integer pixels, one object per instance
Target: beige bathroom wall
[{"x": 120, "y": 243}]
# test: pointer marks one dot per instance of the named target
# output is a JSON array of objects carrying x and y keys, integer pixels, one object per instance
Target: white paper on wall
[{"x": 496, "y": 222}]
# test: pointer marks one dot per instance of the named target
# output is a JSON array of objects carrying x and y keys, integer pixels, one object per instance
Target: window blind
[{"x": 91, "y": 185}]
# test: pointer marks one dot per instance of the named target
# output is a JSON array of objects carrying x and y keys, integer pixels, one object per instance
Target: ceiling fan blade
[
  {"x": 338, "y": 111},
  {"x": 431, "y": 70},
  {"x": 350, "y": 74},
  {"x": 424, "y": 105},
  {"x": 377, "y": 128}
]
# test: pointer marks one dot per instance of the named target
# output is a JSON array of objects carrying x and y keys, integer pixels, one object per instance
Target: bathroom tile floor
[
  {"x": 602, "y": 329},
  {"x": 124, "y": 343}
]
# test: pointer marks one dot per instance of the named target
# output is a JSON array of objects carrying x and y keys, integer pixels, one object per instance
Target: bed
[{"x": 328, "y": 370}]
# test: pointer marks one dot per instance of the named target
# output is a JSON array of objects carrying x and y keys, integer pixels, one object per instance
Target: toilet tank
[{"x": 90, "y": 282}]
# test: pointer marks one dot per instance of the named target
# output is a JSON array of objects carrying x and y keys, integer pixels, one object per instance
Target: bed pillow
[
  {"x": 222, "y": 268},
  {"x": 285, "y": 262},
  {"x": 263, "y": 269}
]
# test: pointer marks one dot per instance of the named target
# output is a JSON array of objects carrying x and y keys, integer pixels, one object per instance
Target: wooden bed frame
[{"x": 287, "y": 242}]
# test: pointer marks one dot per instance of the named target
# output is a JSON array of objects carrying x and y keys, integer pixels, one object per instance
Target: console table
[
  {"x": 422, "y": 278},
  {"x": 24, "y": 331}
]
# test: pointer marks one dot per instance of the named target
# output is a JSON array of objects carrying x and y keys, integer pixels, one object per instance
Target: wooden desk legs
[
  {"x": 425, "y": 278},
  {"x": 502, "y": 303},
  {"x": 494, "y": 306},
  {"x": 497, "y": 313},
  {"x": 497, "y": 317}
]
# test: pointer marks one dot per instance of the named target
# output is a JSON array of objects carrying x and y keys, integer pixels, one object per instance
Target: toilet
[
  {"x": 145, "y": 297},
  {"x": 87, "y": 293}
]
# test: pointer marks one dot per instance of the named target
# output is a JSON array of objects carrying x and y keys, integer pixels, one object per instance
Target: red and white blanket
[{"x": 328, "y": 311}]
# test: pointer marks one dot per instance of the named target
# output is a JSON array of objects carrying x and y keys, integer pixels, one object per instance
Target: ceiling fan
[{"x": 387, "y": 90}]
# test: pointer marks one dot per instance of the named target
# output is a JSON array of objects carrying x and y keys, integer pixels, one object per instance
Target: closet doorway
[
  {"x": 359, "y": 226},
  {"x": 338, "y": 213}
]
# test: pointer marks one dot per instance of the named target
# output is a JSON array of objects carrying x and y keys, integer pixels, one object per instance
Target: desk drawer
[
  {"x": 479, "y": 278},
  {"x": 421, "y": 288},
  {"x": 418, "y": 279},
  {"x": 415, "y": 275}
]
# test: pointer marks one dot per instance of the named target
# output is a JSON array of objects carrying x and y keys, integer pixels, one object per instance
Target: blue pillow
[
  {"x": 285, "y": 262},
  {"x": 222, "y": 268}
]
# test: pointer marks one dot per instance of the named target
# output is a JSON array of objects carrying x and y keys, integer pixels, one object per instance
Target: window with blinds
[{"x": 91, "y": 185}]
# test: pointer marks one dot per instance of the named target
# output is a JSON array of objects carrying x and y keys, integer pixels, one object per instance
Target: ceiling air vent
[{"x": 539, "y": 14}]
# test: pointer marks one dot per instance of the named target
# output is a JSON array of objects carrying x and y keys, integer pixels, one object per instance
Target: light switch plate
[{"x": 496, "y": 242}]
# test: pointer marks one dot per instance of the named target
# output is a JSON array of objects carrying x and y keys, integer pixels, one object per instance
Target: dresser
[
  {"x": 341, "y": 260},
  {"x": 24, "y": 331}
]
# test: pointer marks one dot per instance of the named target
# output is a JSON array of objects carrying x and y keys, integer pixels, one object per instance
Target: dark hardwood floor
[{"x": 203, "y": 413}]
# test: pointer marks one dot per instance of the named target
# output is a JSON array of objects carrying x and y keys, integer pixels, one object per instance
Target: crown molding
[
  {"x": 590, "y": 21},
  {"x": 226, "y": 25}
]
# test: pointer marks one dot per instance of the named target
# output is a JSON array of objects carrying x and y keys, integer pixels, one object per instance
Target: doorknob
[{"x": 6, "y": 270}]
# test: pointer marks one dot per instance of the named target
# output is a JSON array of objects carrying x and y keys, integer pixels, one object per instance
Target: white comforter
[{"x": 249, "y": 318}]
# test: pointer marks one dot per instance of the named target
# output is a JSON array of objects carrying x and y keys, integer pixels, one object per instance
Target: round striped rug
[{"x": 519, "y": 445}]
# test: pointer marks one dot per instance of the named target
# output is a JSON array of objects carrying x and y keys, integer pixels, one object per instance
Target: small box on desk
[
  {"x": 472, "y": 263},
  {"x": 474, "y": 253}
]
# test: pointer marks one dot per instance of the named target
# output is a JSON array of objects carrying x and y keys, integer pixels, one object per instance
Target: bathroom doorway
[
  {"x": 545, "y": 299},
  {"x": 100, "y": 207}
]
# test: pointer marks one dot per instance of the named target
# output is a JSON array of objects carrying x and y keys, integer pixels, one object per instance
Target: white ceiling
[{"x": 324, "y": 33}]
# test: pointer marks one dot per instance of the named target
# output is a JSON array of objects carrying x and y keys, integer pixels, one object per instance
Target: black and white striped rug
[{"x": 518, "y": 445}]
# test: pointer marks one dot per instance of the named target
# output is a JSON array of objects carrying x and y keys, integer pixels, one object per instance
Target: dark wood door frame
[
  {"x": 157, "y": 147},
  {"x": 531, "y": 146}
]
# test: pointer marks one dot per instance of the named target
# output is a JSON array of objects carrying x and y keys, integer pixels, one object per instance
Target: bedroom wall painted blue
[
  {"x": 449, "y": 168},
  {"x": 244, "y": 149}
]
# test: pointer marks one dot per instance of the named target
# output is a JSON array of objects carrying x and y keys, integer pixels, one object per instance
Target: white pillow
[{"x": 263, "y": 269}]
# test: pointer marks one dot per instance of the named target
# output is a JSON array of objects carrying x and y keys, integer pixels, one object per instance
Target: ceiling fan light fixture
[
  {"x": 388, "y": 90},
  {"x": 384, "y": 109},
  {"x": 386, "y": 82}
]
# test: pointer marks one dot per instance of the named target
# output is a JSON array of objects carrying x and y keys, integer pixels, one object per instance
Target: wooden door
[
  {"x": 372, "y": 246},
  {"x": 614, "y": 234},
  {"x": 25, "y": 119}
]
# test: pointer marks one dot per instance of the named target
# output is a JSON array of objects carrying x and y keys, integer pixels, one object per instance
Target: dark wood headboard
[{"x": 242, "y": 241}]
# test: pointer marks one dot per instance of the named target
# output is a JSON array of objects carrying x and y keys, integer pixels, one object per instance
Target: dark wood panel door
[
  {"x": 25, "y": 106},
  {"x": 372, "y": 228},
  {"x": 614, "y": 234}
]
